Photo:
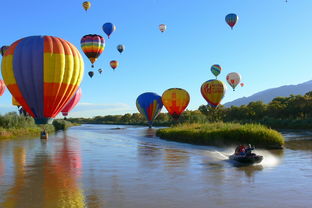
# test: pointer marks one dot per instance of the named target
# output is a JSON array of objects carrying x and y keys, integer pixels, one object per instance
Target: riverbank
[
  {"x": 29, "y": 128},
  {"x": 224, "y": 134}
]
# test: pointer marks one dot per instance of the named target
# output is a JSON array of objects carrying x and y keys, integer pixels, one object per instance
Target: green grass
[{"x": 223, "y": 134}]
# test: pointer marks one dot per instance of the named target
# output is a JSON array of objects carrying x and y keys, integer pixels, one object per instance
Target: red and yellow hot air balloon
[
  {"x": 175, "y": 101},
  {"x": 42, "y": 73},
  {"x": 86, "y": 5},
  {"x": 213, "y": 91},
  {"x": 72, "y": 103},
  {"x": 92, "y": 45},
  {"x": 2, "y": 87},
  {"x": 114, "y": 64}
]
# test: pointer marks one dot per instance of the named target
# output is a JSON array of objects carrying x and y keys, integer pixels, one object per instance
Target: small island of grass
[{"x": 224, "y": 134}]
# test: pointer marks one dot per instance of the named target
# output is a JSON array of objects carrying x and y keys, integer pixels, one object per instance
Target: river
[{"x": 115, "y": 166}]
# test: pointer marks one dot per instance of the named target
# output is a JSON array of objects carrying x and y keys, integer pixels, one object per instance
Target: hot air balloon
[
  {"x": 231, "y": 20},
  {"x": 3, "y": 49},
  {"x": 114, "y": 64},
  {"x": 92, "y": 46},
  {"x": 120, "y": 48},
  {"x": 162, "y": 27},
  {"x": 90, "y": 73},
  {"x": 109, "y": 28},
  {"x": 242, "y": 84},
  {"x": 86, "y": 5},
  {"x": 216, "y": 69},
  {"x": 100, "y": 71},
  {"x": 149, "y": 105},
  {"x": 2, "y": 87},
  {"x": 175, "y": 100},
  {"x": 54, "y": 72},
  {"x": 213, "y": 91},
  {"x": 233, "y": 79},
  {"x": 72, "y": 103}
]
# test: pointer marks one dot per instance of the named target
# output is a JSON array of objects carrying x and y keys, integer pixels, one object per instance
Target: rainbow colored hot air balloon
[
  {"x": 108, "y": 28},
  {"x": 2, "y": 87},
  {"x": 213, "y": 91},
  {"x": 175, "y": 100},
  {"x": 114, "y": 64},
  {"x": 233, "y": 79},
  {"x": 149, "y": 105},
  {"x": 72, "y": 103},
  {"x": 42, "y": 73},
  {"x": 216, "y": 69},
  {"x": 86, "y": 5},
  {"x": 231, "y": 20},
  {"x": 92, "y": 45}
]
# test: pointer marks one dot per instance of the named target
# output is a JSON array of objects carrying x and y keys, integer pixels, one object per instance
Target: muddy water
[{"x": 99, "y": 166}]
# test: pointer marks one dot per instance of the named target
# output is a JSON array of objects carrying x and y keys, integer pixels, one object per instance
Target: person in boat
[
  {"x": 240, "y": 150},
  {"x": 248, "y": 149}
]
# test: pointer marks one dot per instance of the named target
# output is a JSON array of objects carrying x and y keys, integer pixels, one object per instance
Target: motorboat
[{"x": 244, "y": 155}]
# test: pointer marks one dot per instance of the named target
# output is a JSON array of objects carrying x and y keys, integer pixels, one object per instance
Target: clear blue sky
[{"x": 270, "y": 46}]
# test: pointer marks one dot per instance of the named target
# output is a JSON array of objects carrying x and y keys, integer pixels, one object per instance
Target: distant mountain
[{"x": 267, "y": 96}]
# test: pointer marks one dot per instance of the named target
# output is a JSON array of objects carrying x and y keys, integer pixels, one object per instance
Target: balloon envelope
[
  {"x": 54, "y": 72},
  {"x": 86, "y": 5},
  {"x": 120, "y": 48},
  {"x": 162, "y": 27},
  {"x": 91, "y": 73},
  {"x": 114, "y": 64},
  {"x": 92, "y": 45},
  {"x": 242, "y": 84},
  {"x": 213, "y": 91},
  {"x": 216, "y": 69},
  {"x": 72, "y": 103},
  {"x": 149, "y": 105},
  {"x": 2, "y": 87},
  {"x": 175, "y": 101},
  {"x": 109, "y": 28},
  {"x": 233, "y": 79},
  {"x": 231, "y": 19},
  {"x": 100, "y": 71}
]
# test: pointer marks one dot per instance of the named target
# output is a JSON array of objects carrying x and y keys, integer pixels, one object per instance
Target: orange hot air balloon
[
  {"x": 54, "y": 72},
  {"x": 2, "y": 87},
  {"x": 213, "y": 91},
  {"x": 175, "y": 100},
  {"x": 114, "y": 64}
]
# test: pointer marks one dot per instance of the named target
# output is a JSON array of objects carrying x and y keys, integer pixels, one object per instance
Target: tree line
[{"x": 294, "y": 111}]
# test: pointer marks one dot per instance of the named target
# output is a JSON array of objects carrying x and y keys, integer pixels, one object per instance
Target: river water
[{"x": 98, "y": 166}]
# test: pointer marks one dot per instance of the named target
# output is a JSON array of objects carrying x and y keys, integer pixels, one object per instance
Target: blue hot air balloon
[
  {"x": 109, "y": 28},
  {"x": 149, "y": 105}
]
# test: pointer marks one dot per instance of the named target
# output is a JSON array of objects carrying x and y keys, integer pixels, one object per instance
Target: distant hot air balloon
[
  {"x": 120, "y": 48},
  {"x": 100, "y": 71},
  {"x": 114, "y": 64},
  {"x": 2, "y": 87},
  {"x": 242, "y": 84},
  {"x": 149, "y": 105},
  {"x": 90, "y": 73},
  {"x": 92, "y": 46},
  {"x": 231, "y": 20},
  {"x": 72, "y": 103},
  {"x": 109, "y": 28},
  {"x": 86, "y": 5},
  {"x": 162, "y": 27},
  {"x": 175, "y": 100},
  {"x": 54, "y": 72},
  {"x": 216, "y": 69},
  {"x": 3, "y": 49},
  {"x": 233, "y": 79},
  {"x": 213, "y": 91}
]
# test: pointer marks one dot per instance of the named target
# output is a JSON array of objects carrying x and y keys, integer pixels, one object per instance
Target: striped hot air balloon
[
  {"x": 231, "y": 20},
  {"x": 213, "y": 91},
  {"x": 175, "y": 100},
  {"x": 149, "y": 105},
  {"x": 114, "y": 64},
  {"x": 42, "y": 73},
  {"x": 92, "y": 45},
  {"x": 216, "y": 69},
  {"x": 72, "y": 103}
]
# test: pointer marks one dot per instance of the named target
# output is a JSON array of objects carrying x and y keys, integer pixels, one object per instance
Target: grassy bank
[
  {"x": 13, "y": 125},
  {"x": 223, "y": 134}
]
